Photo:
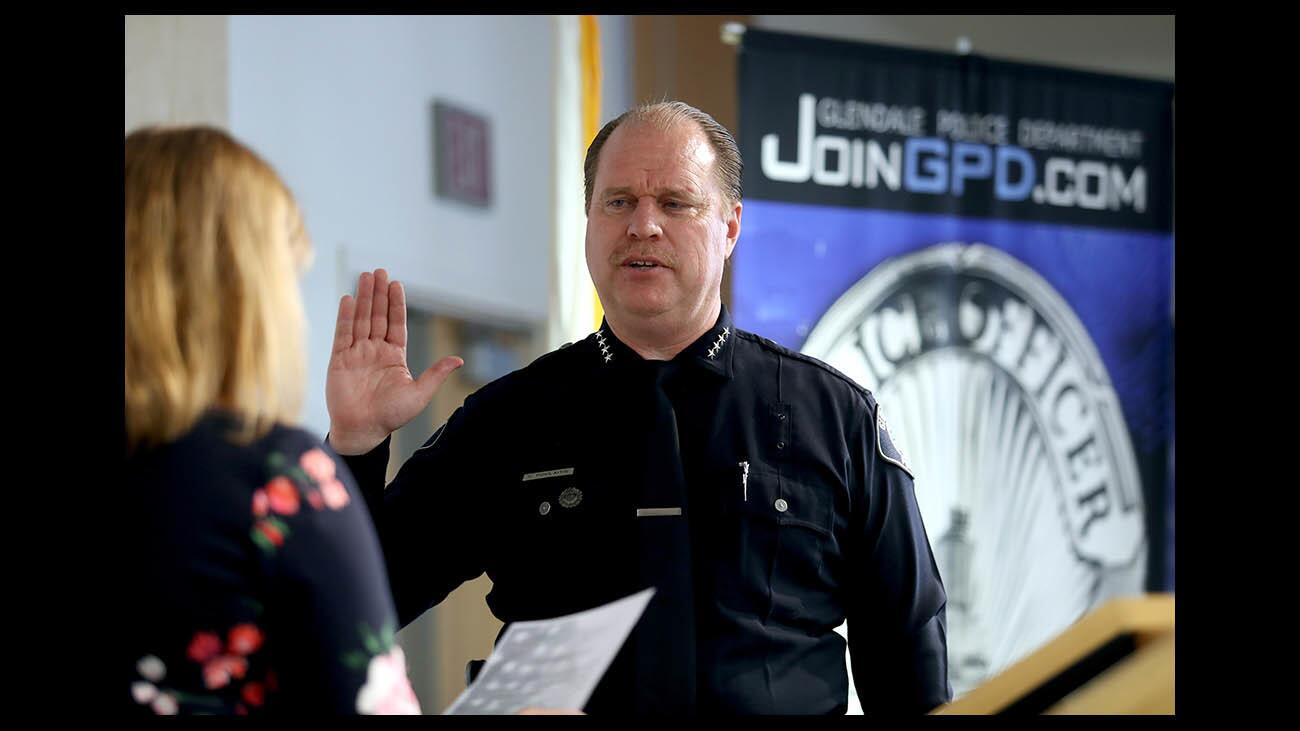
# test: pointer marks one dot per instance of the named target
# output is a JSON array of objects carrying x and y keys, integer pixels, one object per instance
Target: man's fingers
[
  {"x": 343, "y": 325},
  {"x": 436, "y": 374},
  {"x": 365, "y": 298},
  {"x": 396, "y": 314},
  {"x": 379, "y": 309}
]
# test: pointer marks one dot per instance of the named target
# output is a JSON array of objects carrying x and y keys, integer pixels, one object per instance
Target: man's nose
[{"x": 645, "y": 221}]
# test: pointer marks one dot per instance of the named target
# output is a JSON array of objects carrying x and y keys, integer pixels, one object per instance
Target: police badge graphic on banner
[{"x": 988, "y": 248}]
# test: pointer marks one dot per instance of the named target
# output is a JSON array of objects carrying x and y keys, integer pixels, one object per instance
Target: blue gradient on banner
[{"x": 794, "y": 260}]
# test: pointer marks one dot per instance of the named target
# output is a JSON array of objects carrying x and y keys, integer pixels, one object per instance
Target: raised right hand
[{"x": 369, "y": 391}]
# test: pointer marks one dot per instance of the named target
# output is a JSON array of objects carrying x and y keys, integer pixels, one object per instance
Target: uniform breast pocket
[
  {"x": 784, "y": 531},
  {"x": 550, "y": 504},
  {"x": 559, "y": 516}
]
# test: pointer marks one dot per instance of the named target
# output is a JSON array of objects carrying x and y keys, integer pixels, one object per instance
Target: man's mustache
[{"x": 663, "y": 255}]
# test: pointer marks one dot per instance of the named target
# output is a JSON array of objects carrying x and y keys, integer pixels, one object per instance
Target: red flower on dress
[
  {"x": 317, "y": 464},
  {"x": 204, "y": 647},
  {"x": 244, "y": 639},
  {"x": 272, "y": 533},
  {"x": 314, "y": 497},
  {"x": 254, "y": 693},
  {"x": 282, "y": 495}
]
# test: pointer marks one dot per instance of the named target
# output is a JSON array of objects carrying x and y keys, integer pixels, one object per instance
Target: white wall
[
  {"x": 175, "y": 70},
  {"x": 1130, "y": 45},
  {"x": 341, "y": 106}
]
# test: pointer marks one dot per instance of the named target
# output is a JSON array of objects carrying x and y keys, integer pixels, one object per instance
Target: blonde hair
[{"x": 214, "y": 247}]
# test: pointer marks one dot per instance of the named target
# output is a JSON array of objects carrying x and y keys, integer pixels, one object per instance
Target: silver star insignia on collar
[
  {"x": 604, "y": 348},
  {"x": 713, "y": 352}
]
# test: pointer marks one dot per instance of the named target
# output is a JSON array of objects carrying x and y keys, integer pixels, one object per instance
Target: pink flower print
[
  {"x": 244, "y": 639},
  {"x": 203, "y": 647},
  {"x": 143, "y": 691},
  {"x": 165, "y": 705},
  {"x": 218, "y": 672},
  {"x": 215, "y": 676},
  {"x": 317, "y": 464},
  {"x": 282, "y": 495},
  {"x": 151, "y": 668},
  {"x": 261, "y": 503},
  {"x": 314, "y": 497},
  {"x": 336, "y": 495},
  {"x": 387, "y": 691}
]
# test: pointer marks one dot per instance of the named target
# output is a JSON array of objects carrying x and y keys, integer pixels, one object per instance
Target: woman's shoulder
[{"x": 212, "y": 448}]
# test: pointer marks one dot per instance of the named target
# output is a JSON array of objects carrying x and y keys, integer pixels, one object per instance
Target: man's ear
[{"x": 733, "y": 227}]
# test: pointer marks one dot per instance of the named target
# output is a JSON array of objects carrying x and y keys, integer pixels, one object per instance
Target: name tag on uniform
[
  {"x": 655, "y": 512},
  {"x": 563, "y": 472}
]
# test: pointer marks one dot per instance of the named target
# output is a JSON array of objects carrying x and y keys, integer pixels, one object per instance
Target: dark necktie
[{"x": 665, "y": 636}]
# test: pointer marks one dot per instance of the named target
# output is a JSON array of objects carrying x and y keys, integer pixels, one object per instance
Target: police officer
[{"x": 756, "y": 488}]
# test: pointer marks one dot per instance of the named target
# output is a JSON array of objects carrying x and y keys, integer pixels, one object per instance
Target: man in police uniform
[{"x": 756, "y": 488}]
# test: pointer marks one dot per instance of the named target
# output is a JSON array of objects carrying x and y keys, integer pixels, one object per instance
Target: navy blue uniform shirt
[{"x": 801, "y": 515}]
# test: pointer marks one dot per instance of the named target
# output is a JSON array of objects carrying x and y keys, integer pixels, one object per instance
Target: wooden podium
[{"x": 1119, "y": 659}]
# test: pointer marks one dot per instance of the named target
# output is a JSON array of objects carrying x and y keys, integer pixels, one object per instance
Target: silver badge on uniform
[
  {"x": 570, "y": 497},
  {"x": 544, "y": 508}
]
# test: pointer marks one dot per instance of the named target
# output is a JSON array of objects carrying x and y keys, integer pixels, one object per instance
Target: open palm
[{"x": 369, "y": 389}]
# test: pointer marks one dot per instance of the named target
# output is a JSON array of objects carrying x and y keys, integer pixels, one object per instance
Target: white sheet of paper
[{"x": 551, "y": 663}]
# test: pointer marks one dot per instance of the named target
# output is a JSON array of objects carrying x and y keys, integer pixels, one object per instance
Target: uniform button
[
  {"x": 780, "y": 417},
  {"x": 781, "y": 505},
  {"x": 544, "y": 508},
  {"x": 780, "y": 445}
]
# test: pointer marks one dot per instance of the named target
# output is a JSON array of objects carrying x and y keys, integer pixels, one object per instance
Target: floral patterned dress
[{"x": 256, "y": 583}]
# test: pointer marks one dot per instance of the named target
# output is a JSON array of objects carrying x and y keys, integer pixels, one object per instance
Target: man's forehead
[{"x": 678, "y": 151}]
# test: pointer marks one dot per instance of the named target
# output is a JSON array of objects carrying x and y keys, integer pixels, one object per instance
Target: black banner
[{"x": 961, "y": 135}]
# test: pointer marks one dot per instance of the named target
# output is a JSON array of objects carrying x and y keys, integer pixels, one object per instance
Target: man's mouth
[{"x": 643, "y": 262}]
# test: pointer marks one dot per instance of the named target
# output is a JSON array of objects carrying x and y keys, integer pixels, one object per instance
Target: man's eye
[{"x": 617, "y": 203}]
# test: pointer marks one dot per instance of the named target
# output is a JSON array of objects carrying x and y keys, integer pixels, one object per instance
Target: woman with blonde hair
[{"x": 256, "y": 581}]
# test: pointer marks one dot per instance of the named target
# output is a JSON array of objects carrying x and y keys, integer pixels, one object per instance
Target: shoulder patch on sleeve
[{"x": 886, "y": 445}]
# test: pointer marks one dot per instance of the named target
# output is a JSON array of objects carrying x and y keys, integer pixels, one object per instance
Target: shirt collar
[{"x": 713, "y": 351}]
